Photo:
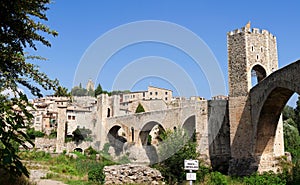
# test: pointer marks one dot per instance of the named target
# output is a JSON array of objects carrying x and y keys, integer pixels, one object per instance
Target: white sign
[
  {"x": 191, "y": 164},
  {"x": 190, "y": 176}
]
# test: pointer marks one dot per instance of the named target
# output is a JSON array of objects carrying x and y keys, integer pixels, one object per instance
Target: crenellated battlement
[{"x": 253, "y": 31}]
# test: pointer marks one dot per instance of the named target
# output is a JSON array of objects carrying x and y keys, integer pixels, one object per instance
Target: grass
[{"x": 62, "y": 167}]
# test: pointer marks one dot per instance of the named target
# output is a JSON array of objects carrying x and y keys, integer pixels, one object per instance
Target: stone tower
[
  {"x": 250, "y": 52},
  {"x": 90, "y": 86}
]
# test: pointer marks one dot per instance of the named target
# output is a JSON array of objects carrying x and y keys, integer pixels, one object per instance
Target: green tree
[
  {"x": 98, "y": 90},
  {"x": 288, "y": 113},
  {"x": 291, "y": 139},
  {"x": 90, "y": 92},
  {"x": 175, "y": 148},
  {"x": 297, "y": 114},
  {"x": 79, "y": 91},
  {"x": 139, "y": 108},
  {"x": 21, "y": 27},
  {"x": 62, "y": 92}
]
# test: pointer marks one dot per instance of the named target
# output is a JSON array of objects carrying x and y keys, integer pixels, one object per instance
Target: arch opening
[
  {"x": 78, "y": 150},
  {"x": 258, "y": 73},
  {"x": 269, "y": 118},
  {"x": 150, "y": 136},
  {"x": 117, "y": 138},
  {"x": 189, "y": 126},
  {"x": 150, "y": 133}
]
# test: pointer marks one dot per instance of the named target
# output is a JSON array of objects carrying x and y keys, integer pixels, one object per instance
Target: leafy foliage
[
  {"x": 34, "y": 133},
  {"x": 297, "y": 114},
  {"x": 175, "y": 148},
  {"x": 288, "y": 113},
  {"x": 79, "y": 91},
  {"x": 20, "y": 28},
  {"x": 139, "y": 108},
  {"x": 62, "y": 92},
  {"x": 265, "y": 178},
  {"x": 291, "y": 139},
  {"x": 218, "y": 178},
  {"x": 97, "y": 175},
  {"x": 98, "y": 90}
]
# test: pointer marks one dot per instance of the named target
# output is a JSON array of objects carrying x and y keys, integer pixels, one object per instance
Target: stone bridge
[
  {"x": 138, "y": 126},
  {"x": 207, "y": 119},
  {"x": 256, "y": 128},
  {"x": 135, "y": 128}
]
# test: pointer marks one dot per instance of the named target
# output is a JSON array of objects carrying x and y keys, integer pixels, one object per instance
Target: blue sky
[{"x": 80, "y": 23}]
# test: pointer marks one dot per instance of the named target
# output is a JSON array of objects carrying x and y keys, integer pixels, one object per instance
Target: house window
[
  {"x": 73, "y": 117},
  {"x": 69, "y": 117},
  {"x": 166, "y": 93},
  {"x": 150, "y": 93},
  {"x": 156, "y": 93},
  {"x": 166, "y": 98},
  {"x": 143, "y": 94}
]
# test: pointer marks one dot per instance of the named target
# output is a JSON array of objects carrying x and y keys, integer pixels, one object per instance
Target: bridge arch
[
  {"x": 268, "y": 113},
  {"x": 189, "y": 125},
  {"x": 116, "y": 139},
  {"x": 147, "y": 128},
  {"x": 258, "y": 73}
]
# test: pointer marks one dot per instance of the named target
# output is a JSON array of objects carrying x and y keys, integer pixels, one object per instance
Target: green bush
[
  {"x": 64, "y": 169},
  {"x": 90, "y": 151},
  {"x": 218, "y": 178},
  {"x": 139, "y": 108},
  {"x": 53, "y": 134},
  {"x": 97, "y": 175},
  {"x": 202, "y": 172},
  {"x": 33, "y": 133},
  {"x": 265, "y": 178}
]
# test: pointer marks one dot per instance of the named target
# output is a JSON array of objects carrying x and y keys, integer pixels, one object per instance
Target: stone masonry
[
  {"x": 132, "y": 174},
  {"x": 240, "y": 134}
]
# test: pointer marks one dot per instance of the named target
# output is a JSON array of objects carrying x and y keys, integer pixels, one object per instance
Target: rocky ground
[{"x": 36, "y": 175}]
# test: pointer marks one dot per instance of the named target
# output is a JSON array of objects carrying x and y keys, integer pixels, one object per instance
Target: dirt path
[
  {"x": 48, "y": 182},
  {"x": 35, "y": 176}
]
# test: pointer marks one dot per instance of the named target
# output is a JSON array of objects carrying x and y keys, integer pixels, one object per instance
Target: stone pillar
[
  {"x": 102, "y": 111},
  {"x": 61, "y": 129},
  {"x": 243, "y": 160}
]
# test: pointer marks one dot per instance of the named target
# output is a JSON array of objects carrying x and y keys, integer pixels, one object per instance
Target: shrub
[
  {"x": 202, "y": 172},
  {"x": 90, "y": 151},
  {"x": 265, "y": 178},
  {"x": 139, "y": 108},
  {"x": 97, "y": 175},
  {"x": 34, "y": 133},
  {"x": 218, "y": 178},
  {"x": 53, "y": 134}
]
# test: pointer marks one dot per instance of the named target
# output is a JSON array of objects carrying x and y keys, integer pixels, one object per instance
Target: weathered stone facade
[{"x": 250, "y": 52}]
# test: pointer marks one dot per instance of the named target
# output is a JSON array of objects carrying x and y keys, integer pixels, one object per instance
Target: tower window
[
  {"x": 261, "y": 49},
  {"x": 252, "y": 48},
  {"x": 257, "y": 57}
]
